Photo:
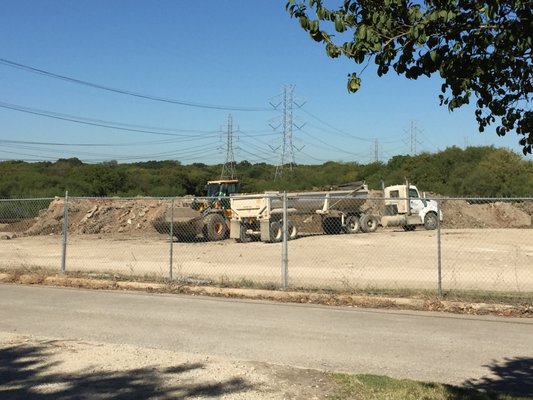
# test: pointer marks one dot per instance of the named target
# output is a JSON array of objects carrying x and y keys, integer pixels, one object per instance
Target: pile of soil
[
  {"x": 98, "y": 216},
  {"x": 462, "y": 214}
]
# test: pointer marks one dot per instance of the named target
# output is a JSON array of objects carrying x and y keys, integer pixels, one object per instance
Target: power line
[
  {"x": 92, "y": 122},
  {"x": 330, "y": 146},
  {"x": 89, "y": 144},
  {"x": 126, "y": 92},
  {"x": 254, "y": 155},
  {"x": 336, "y": 129}
]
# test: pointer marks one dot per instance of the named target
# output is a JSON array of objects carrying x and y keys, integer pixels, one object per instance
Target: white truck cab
[{"x": 408, "y": 209}]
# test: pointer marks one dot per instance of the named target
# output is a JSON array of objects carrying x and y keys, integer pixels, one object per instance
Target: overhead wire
[
  {"x": 90, "y": 144},
  {"x": 336, "y": 129},
  {"x": 35, "y": 70},
  {"x": 329, "y": 145},
  {"x": 87, "y": 121}
]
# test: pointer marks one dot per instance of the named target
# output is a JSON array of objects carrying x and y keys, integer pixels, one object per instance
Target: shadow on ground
[
  {"x": 26, "y": 372},
  {"x": 512, "y": 375}
]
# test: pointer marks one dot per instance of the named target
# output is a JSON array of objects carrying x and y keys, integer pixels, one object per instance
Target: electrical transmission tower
[
  {"x": 413, "y": 139},
  {"x": 287, "y": 160},
  {"x": 228, "y": 169}
]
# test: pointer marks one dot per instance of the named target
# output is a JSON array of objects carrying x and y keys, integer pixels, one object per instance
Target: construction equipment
[
  {"x": 262, "y": 215},
  {"x": 207, "y": 216}
]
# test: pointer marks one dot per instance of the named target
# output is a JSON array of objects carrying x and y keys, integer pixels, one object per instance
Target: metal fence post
[
  {"x": 65, "y": 235},
  {"x": 285, "y": 246},
  {"x": 171, "y": 237},
  {"x": 439, "y": 251}
]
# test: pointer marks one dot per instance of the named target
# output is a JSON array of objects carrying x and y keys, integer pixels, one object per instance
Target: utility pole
[
  {"x": 376, "y": 150},
  {"x": 228, "y": 169}
]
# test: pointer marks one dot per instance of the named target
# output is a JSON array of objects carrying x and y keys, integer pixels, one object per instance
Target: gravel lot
[{"x": 478, "y": 259}]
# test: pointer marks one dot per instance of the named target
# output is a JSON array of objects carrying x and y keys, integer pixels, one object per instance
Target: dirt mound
[
  {"x": 99, "y": 216},
  {"x": 462, "y": 214}
]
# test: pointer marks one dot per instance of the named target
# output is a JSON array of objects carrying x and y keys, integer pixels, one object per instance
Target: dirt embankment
[
  {"x": 92, "y": 216},
  {"x": 461, "y": 214},
  {"x": 98, "y": 216}
]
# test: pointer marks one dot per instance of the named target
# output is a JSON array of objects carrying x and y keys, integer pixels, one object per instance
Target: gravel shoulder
[{"x": 44, "y": 368}]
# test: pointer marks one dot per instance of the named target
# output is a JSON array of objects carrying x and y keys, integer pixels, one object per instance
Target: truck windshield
[{"x": 413, "y": 193}]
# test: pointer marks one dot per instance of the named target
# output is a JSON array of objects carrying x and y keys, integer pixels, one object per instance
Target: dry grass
[{"x": 247, "y": 290}]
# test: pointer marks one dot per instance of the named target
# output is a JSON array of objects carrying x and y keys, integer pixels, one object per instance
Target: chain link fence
[{"x": 319, "y": 241}]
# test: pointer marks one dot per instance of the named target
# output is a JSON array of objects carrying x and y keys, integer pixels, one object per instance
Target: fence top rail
[
  {"x": 272, "y": 195},
  {"x": 28, "y": 199},
  {"x": 119, "y": 198},
  {"x": 487, "y": 199}
]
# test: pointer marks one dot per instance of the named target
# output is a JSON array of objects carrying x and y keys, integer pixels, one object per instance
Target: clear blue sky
[{"x": 228, "y": 53}]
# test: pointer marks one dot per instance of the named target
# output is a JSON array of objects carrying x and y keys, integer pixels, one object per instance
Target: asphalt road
[{"x": 419, "y": 345}]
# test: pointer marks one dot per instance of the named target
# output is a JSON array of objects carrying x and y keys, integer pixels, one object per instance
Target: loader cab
[{"x": 222, "y": 188}]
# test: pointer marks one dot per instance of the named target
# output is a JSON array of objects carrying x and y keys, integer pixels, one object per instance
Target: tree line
[{"x": 470, "y": 172}]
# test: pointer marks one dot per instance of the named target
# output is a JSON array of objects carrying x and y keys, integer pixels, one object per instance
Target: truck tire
[
  {"x": 276, "y": 232},
  {"x": 215, "y": 227},
  {"x": 292, "y": 230},
  {"x": 332, "y": 226},
  {"x": 243, "y": 237},
  {"x": 369, "y": 223},
  {"x": 431, "y": 221},
  {"x": 352, "y": 224}
]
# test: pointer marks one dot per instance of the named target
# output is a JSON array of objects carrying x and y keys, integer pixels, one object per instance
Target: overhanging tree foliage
[{"x": 477, "y": 47}]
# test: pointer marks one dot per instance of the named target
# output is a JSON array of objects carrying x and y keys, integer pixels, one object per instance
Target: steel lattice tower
[
  {"x": 228, "y": 169},
  {"x": 287, "y": 148}
]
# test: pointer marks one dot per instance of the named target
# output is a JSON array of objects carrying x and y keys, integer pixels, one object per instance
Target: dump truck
[
  {"x": 207, "y": 216},
  {"x": 406, "y": 208},
  {"x": 341, "y": 211},
  {"x": 261, "y": 216}
]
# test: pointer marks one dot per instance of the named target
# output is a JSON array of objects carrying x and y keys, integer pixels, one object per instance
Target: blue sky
[{"x": 228, "y": 53}]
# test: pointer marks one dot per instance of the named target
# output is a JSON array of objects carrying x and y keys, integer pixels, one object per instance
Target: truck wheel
[
  {"x": 292, "y": 230},
  {"x": 215, "y": 227},
  {"x": 409, "y": 228},
  {"x": 276, "y": 232},
  {"x": 369, "y": 223},
  {"x": 243, "y": 237},
  {"x": 332, "y": 226},
  {"x": 431, "y": 221},
  {"x": 352, "y": 224}
]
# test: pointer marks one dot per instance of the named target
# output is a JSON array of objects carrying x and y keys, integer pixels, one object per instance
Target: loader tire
[
  {"x": 215, "y": 227},
  {"x": 369, "y": 223}
]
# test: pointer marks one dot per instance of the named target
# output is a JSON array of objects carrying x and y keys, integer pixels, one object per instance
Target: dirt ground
[
  {"x": 484, "y": 246},
  {"x": 473, "y": 259},
  {"x": 42, "y": 368}
]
